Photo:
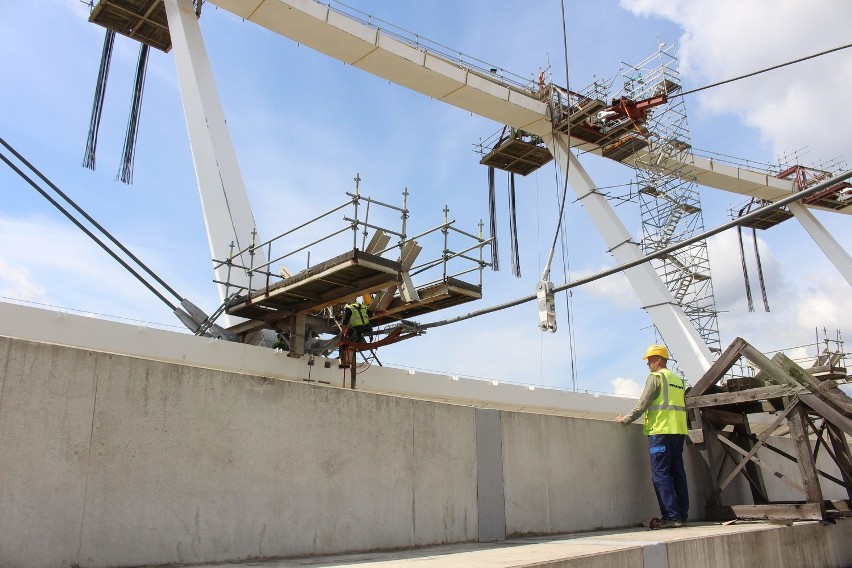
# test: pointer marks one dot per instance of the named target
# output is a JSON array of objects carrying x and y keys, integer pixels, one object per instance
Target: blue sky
[{"x": 303, "y": 125}]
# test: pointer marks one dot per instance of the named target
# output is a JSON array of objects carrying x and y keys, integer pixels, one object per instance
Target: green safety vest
[
  {"x": 667, "y": 412},
  {"x": 359, "y": 315}
]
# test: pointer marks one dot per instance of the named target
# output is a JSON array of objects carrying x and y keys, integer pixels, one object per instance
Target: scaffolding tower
[{"x": 669, "y": 202}]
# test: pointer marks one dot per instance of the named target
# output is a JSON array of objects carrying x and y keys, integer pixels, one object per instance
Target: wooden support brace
[
  {"x": 723, "y": 416},
  {"x": 760, "y": 441},
  {"x": 841, "y": 456},
  {"x": 807, "y": 468},
  {"x": 781, "y": 477},
  {"x": 707, "y": 449},
  {"x": 748, "y": 395},
  {"x": 719, "y": 368},
  {"x": 776, "y": 512},
  {"x": 297, "y": 336}
]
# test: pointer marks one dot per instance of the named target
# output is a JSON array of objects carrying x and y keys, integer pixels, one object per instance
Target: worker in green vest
[{"x": 662, "y": 403}]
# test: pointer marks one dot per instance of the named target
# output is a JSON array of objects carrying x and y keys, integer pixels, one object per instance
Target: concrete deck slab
[{"x": 697, "y": 545}]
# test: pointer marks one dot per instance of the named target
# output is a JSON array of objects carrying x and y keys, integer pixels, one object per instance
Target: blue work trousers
[{"x": 668, "y": 475}]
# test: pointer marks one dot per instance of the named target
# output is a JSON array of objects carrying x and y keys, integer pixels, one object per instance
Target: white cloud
[
  {"x": 803, "y": 297},
  {"x": 615, "y": 289},
  {"x": 723, "y": 39},
  {"x": 63, "y": 267},
  {"x": 513, "y": 351},
  {"x": 17, "y": 283},
  {"x": 626, "y": 387}
]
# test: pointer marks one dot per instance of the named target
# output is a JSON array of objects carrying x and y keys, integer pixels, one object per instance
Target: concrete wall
[
  {"x": 569, "y": 474},
  {"x": 109, "y": 460},
  {"x": 780, "y": 491},
  {"x": 61, "y": 328},
  {"x": 112, "y": 460}
]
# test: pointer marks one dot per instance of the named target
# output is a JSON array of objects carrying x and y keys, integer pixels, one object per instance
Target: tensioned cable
[
  {"x": 98, "y": 102},
  {"x": 90, "y": 219},
  {"x": 664, "y": 251},
  {"x": 85, "y": 229},
  {"x": 545, "y": 274},
  {"x": 746, "y": 76},
  {"x": 569, "y": 308}
]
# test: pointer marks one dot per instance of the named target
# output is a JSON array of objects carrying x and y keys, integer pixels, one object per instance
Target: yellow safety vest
[
  {"x": 667, "y": 412},
  {"x": 359, "y": 315}
]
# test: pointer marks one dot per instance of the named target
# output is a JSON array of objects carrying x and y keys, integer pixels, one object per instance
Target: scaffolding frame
[
  {"x": 306, "y": 305},
  {"x": 669, "y": 202}
]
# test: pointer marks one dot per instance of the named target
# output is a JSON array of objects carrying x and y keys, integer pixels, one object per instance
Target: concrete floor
[{"x": 696, "y": 545}]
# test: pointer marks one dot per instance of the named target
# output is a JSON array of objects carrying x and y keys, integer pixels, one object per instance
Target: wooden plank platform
[
  {"x": 769, "y": 219},
  {"x": 517, "y": 156},
  {"x": 334, "y": 281},
  {"x": 624, "y": 147},
  {"x": 436, "y": 297},
  {"x": 142, "y": 20}
]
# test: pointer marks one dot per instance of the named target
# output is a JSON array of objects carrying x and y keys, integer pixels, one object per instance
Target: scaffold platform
[
  {"x": 517, "y": 156},
  {"x": 142, "y": 20},
  {"x": 434, "y": 297},
  {"x": 332, "y": 282}
]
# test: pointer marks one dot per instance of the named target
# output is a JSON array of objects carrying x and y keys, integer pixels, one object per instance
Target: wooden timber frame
[{"x": 817, "y": 413}]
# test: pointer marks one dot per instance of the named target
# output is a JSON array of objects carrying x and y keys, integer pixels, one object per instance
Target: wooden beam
[
  {"x": 718, "y": 369},
  {"x": 781, "y": 477},
  {"x": 778, "y": 374},
  {"x": 750, "y": 395},
  {"x": 772, "y": 512},
  {"x": 841, "y": 456},
  {"x": 297, "y": 336},
  {"x": 807, "y": 467},
  {"x": 723, "y": 416},
  {"x": 707, "y": 450},
  {"x": 826, "y": 390},
  {"x": 756, "y": 446}
]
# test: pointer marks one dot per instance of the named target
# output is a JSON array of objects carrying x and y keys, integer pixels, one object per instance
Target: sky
[{"x": 304, "y": 125}]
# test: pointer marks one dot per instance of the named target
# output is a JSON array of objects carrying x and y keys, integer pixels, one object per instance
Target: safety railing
[
  {"x": 502, "y": 76},
  {"x": 458, "y": 246}
]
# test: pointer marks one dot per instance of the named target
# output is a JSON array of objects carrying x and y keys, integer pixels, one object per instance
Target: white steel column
[
  {"x": 224, "y": 202},
  {"x": 680, "y": 335},
  {"x": 829, "y": 245}
]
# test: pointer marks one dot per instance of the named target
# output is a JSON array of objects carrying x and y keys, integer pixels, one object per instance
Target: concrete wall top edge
[{"x": 61, "y": 328}]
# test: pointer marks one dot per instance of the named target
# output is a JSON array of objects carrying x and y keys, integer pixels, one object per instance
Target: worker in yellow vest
[
  {"x": 356, "y": 320},
  {"x": 662, "y": 403}
]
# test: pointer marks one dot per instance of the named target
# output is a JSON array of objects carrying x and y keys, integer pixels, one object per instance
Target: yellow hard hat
[{"x": 657, "y": 350}]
